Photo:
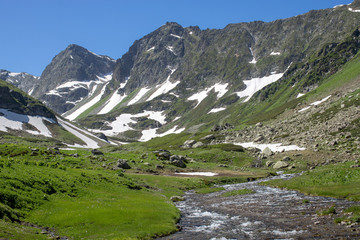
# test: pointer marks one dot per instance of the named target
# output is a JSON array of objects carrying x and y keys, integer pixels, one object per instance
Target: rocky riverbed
[{"x": 269, "y": 213}]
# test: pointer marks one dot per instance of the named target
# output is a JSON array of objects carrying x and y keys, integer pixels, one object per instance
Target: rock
[
  {"x": 75, "y": 155},
  {"x": 177, "y": 199},
  {"x": 164, "y": 155},
  {"x": 223, "y": 165},
  {"x": 189, "y": 143},
  {"x": 96, "y": 152},
  {"x": 102, "y": 136},
  {"x": 280, "y": 164},
  {"x": 122, "y": 163},
  {"x": 291, "y": 167},
  {"x": 286, "y": 159},
  {"x": 259, "y": 138},
  {"x": 269, "y": 163},
  {"x": 147, "y": 164},
  {"x": 259, "y": 124},
  {"x": 198, "y": 144},
  {"x": 177, "y": 161},
  {"x": 267, "y": 152},
  {"x": 159, "y": 167},
  {"x": 209, "y": 137}
]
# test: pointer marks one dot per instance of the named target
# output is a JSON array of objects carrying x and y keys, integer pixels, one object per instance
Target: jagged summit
[{"x": 71, "y": 76}]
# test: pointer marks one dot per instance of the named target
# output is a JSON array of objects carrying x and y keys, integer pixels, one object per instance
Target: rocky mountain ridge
[{"x": 184, "y": 78}]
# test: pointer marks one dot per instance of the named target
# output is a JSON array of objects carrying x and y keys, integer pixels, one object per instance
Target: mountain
[
  {"x": 23, "y": 116},
  {"x": 74, "y": 74},
  {"x": 177, "y": 78},
  {"x": 24, "y": 81}
]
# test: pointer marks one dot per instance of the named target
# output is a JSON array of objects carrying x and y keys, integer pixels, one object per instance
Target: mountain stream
[{"x": 269, "y": 213}]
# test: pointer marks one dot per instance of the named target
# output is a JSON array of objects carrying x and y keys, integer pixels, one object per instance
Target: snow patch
[
  {"x": 151, "y": 133},
  {"x": 171, "y": 49},
  {"x": 253, "y": 61},
  {"x": 166, "y": 86},
  {"x": 114, "y": 100},
  {"x": 219, "y": 88},
  {"x": 87, "y": 105},
  {"x": 321, "y": 101},
  {"x": 315, "y": 103},
  {"x": 275, "y": 147},
  {"x": 14, "y": 74},
  {"x": 215, "y": 110},
  {"x": 255, "y": 84},
  {"x": 150, "y": 49},
  {"x": 139, "y": 95},
  {"x": 11, "y": 120},
  {"x": 90, "y": 143},
  {"x": 340, "y": 5},
  {"x": 300, "y": 95},
  {"x": 173, "y": 35},
  {"x": 122, "y": 122},
  {"x": 275, "y": 53},
  {"x": 354, "y": 10}
]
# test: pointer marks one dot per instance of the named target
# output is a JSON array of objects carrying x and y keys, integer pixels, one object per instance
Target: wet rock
[
  {"x": 177, "y": 199},
  {"x": 280, "y": 164},
  {"x": 96, "y": 152},
  {"x": 122, "y": 163}
]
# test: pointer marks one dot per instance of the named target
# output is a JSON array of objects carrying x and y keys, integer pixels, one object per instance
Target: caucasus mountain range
[{"x": 184, "y": 79}]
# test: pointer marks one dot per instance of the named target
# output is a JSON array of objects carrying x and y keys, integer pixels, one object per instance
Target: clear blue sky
[{"x": 34, "y": 31}]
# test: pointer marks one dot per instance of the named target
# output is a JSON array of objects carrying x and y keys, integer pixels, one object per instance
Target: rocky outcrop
[{"x": 17, "y": 101}]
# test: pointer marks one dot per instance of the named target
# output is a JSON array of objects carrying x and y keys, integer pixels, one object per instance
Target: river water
[{"x": 269, "y": 213}]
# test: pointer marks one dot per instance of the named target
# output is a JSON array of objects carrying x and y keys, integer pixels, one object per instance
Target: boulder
[
  {"x": 177, "y": 198},
  {"x": 259, "y": 138},
  {"x": 269, "y": 163},
  {"x": 177, "y": 161},
  {"x": 189, "y": 143},
  {"x": 280, "y": 164},
  {"x": 267, "y": 152},
  {"x": 198, "y": 144},
  {"x": 122, "y": 163},
  {"x": 209, "y": 137},
  {"x": 286, "y": 159},
  {"x": 96, "y": 152}
]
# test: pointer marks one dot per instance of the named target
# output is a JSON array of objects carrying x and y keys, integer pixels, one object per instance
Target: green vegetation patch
[
  {"x": 237, "y": 192},
  {"x": 338, "y": 180}
]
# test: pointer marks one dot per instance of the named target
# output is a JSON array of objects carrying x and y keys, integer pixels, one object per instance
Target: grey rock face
[
  {"x": 74, "y": 64},
  {"x": 23, "y": 81}
]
